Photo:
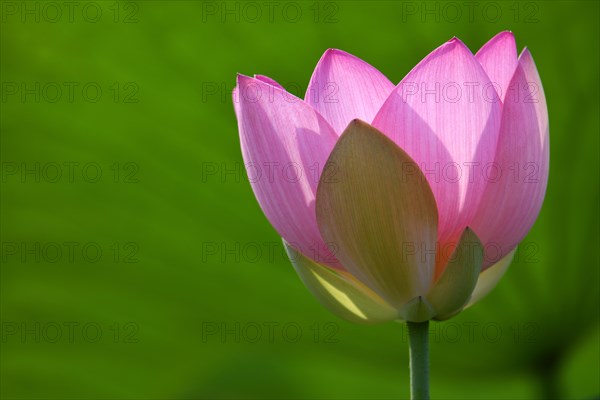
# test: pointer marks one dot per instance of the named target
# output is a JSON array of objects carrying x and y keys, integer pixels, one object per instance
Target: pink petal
[
  {"x": 236, "y": 101},
  {"x": 263, "y": 78},
  {"x": 446, "y": 115},
  {"x": 268, "y": 80},
  {"x": 513, "y": 199},
  {"x": 344, "y": 87},
  {"x": 498, "y": 57},
  {"x": 285, "y": 144}
]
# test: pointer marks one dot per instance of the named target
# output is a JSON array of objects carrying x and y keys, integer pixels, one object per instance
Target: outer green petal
[
  {"x": 379, "y": 214},
  {"x": 489, "y": 278},
  {"x": 454, "y": 288},
  {"x": 340, "y": 292}
]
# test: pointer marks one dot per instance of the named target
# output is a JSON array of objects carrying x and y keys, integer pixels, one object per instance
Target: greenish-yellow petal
[
  {"x": 379, "y": 213},
  {"x": 489, "y": 278},
  {"x": 454, "y": 288},
  {"x": 340, "y": 292}
]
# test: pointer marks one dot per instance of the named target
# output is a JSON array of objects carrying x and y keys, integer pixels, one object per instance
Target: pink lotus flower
[{"x": 401, "y": 201}]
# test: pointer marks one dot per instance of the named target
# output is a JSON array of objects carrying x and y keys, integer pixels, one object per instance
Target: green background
[{"x": 190, "y": 267}]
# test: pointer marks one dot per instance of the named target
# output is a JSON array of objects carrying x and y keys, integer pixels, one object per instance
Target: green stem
[
  {"x": 548, "y": 371},
  {"x": 418, "y": 341}
]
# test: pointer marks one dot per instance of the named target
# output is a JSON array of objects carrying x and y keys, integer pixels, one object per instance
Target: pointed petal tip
[
  {"x": 332, "y": 52},
  {"x": 469, "y": 229},
  {"x": 504, "y": 36},
  {"x": 450, "y": 44},
  {"x": 356, "y": 125},
  {"x": 242, "y": 79},
  {"x": 359, "y": 127},
  {"x": 507, "y": 34},
  {"x": 526, "y": 58},
  {"x": 454, "y": 44},
  {"x": 357, "y": 122},
  {"x": 525, "y": 53},
  {"x": 268, "y": 80}
]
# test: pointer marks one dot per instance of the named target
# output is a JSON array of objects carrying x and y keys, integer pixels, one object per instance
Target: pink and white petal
[
  {"x": 344, "y": 87},
  {"x": 446, "y": 118},
  {"x": 285, "y": 144},
  {"x": 498, "y": 57},
  {"x": 516, "y": 187}
]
